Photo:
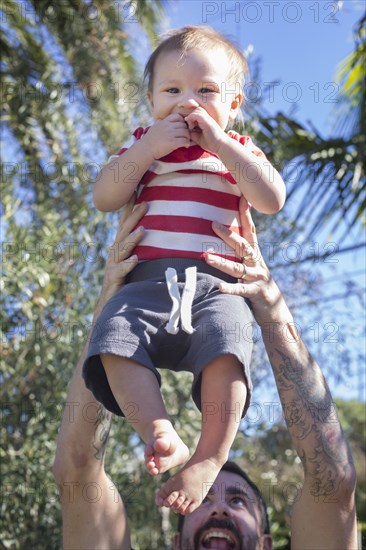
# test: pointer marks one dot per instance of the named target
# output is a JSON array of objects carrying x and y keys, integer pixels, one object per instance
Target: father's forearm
[
  {"x": 84, "y": 430},
  {"x": 308, "y": 408},
  {"x": 85, "y": 426},
  {"x": 87, "y": 523}
]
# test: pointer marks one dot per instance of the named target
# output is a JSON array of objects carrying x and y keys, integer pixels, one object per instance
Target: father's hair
[
  {"x": 232, "y": 467},
  {"x": 200, "y": 37}
]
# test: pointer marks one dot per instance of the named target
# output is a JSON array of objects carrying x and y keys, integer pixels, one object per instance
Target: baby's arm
[
  {"x": 119, "y": 178},
  {"x": 258, "y": 180}
]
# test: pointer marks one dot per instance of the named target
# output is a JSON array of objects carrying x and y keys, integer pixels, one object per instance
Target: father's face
[{"x": 228, "y": 519}]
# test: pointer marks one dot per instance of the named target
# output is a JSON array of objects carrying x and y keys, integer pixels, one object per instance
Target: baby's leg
[
  {"x": 137, "y": 392},
  {"x": 223, "y": 395}
]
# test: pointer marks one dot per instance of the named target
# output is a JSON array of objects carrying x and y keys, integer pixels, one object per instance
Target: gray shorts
[{"x": 132, "y": 323}]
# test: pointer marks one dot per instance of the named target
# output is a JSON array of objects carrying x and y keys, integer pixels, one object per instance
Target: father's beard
[{"x": 242, "y": 542}]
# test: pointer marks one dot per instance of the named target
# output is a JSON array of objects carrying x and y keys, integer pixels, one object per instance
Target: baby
[{"x": 190, "y": 171}]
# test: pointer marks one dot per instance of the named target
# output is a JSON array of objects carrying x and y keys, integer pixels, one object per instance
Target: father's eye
[{"x": 238, "y": 501}]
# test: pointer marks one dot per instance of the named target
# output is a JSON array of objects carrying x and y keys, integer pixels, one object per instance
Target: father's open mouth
[{"x": 219, "y": 539}]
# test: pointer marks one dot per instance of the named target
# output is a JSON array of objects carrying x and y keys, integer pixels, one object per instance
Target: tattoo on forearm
[
  {"x": 311, "y": 417},
  {"x": 102, "y": 429},
  {"x": 308, "y": 385},
  {"x": 326, "y": 463}
]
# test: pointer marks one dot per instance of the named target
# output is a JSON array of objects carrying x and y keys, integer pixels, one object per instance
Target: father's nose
[{"x": 220, "y": 508}]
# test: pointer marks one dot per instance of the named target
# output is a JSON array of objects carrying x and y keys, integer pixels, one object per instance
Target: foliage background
[{"x": 70, "y": 92}]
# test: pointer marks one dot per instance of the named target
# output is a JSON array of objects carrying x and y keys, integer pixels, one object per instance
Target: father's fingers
[
  {"x": 121, "y": 250},
  {"x": 122, "y": 269},
  {"x": 128, "y": 222},
  {"x": 234, "y": 269},
  {"x": 247, "y": 225},
  {"x": 241, "y": 247},
  {"x": 237, "y": 289},
  {"x": 246, "y": 274},
  {"x": 114, "y": 277},
  {"x": 252, "y": 291},
  {"x": 229, "y": 237},
  {"x": 127, "y": 209}
]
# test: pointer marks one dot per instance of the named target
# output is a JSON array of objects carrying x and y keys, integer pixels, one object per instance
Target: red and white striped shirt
[{"x": 186, "y": 190}]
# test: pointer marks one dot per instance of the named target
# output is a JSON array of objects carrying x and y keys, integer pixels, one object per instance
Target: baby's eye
[
  {"x": 206, "y": 91},
  {"x": 173, "y": 90}
]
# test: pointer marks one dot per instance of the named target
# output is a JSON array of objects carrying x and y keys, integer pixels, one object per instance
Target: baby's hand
[
  {"x": 166, "y": 135},
  {"x": 205, "y": 131}
]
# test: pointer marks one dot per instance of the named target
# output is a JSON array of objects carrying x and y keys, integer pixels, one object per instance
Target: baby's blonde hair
[{"x": 198, "y": 37}]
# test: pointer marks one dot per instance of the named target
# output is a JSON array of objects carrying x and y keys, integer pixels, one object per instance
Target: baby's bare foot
[
  {"x": 185, "y": 491},
  {"x": 164, "y": 452}
]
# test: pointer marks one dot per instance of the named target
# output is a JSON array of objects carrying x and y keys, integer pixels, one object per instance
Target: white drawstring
[
  {"x": 172, "y": 283},
  {"x": 182, "y": 305},
  {"x": 187, "y": 299}
]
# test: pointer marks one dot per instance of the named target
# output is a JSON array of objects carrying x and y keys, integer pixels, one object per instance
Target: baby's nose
[{"x": 188, "y": 102}]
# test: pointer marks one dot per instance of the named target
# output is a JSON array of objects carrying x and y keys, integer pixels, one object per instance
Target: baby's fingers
[{"x": 196, "y": 118}]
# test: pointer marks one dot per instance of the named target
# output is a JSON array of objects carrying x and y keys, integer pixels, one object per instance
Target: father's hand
[
  {"x": 254, "y": 279},
  {"x": 120, "y": 262}
]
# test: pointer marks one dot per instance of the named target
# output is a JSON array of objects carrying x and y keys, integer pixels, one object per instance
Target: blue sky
[{"x": 299, "y": 43}]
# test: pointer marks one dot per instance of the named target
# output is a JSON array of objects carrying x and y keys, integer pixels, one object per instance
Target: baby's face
[{"x": 196, "y": 79}]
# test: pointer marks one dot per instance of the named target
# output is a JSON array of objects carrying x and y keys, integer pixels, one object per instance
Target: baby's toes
[
  {"x": 184, "y": 507},
  {"x": 148, "y": 451},
  {"x": 178, "y": 503},
  {"x": 191, "y": 506},
  {"x": 170, "y": 500},
  {"x": 152, "y": 469}
]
